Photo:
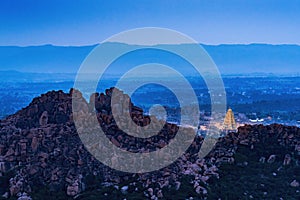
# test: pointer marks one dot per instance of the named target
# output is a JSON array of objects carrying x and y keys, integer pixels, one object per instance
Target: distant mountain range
[{"x": 230, "y": 58}]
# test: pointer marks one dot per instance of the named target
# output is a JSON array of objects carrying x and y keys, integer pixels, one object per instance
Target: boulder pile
[{"x": 40, "y": 147}]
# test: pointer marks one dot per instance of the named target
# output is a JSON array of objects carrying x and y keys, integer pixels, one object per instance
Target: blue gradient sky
[{"x": 82, "y": 22}]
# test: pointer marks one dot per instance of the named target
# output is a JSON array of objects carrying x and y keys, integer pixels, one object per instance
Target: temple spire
[{"x": 229, "y": 121}]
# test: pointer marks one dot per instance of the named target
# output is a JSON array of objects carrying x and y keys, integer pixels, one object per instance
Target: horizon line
[
  {"x": 224, "y": 74},
  {"x": 204, "y": 44}
]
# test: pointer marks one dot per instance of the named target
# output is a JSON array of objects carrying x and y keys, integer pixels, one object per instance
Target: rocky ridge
[{"x": 40, "y": 148}]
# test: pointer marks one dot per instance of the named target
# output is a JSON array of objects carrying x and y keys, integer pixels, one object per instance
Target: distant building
[
  {"x": 229, "y": 121},
  {"x": 256, "y": 120}
]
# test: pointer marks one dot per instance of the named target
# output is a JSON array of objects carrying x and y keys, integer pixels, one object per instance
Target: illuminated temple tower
[{"x": 229, "y": 121}]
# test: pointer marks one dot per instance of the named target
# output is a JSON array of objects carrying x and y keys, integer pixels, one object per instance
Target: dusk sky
[{"x": 83, "y": 22}]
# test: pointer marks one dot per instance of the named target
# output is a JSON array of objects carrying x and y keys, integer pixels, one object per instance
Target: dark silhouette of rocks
[{"x": 40, "y": 147}]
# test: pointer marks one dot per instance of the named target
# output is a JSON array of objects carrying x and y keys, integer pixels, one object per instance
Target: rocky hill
[
  {"x": 42, "y": 157},
  {"x": 266, "y": 164}
]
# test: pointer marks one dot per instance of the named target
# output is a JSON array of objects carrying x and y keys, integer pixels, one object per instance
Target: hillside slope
[{"x": 41, "y": 155}]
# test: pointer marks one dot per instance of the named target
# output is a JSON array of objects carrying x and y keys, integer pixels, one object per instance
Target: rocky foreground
[{"x": 42, "y": 157}]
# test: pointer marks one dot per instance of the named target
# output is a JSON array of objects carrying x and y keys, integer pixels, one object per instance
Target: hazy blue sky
[{"x": 81, "y": 22}]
